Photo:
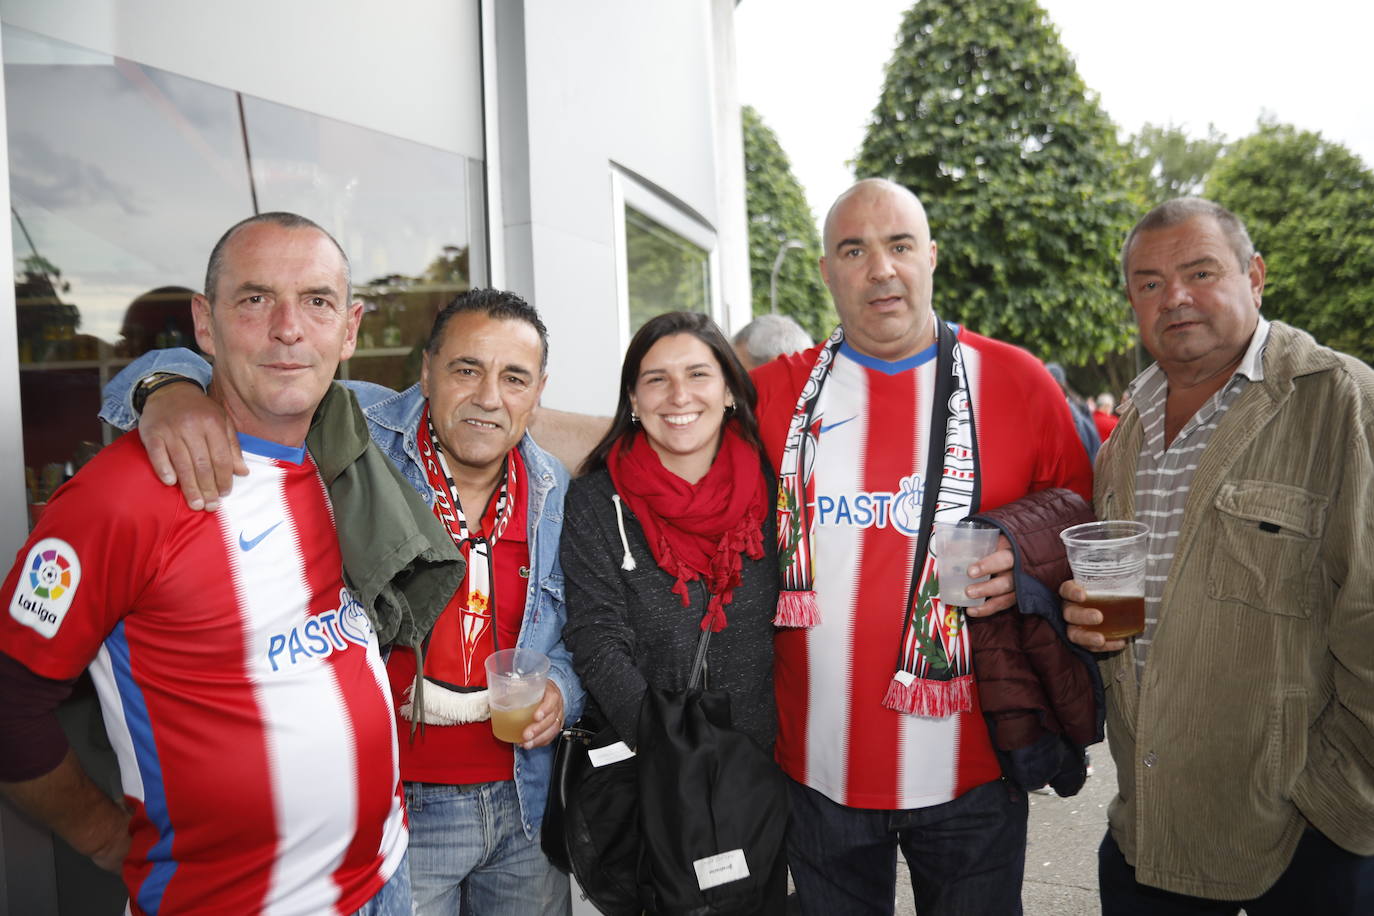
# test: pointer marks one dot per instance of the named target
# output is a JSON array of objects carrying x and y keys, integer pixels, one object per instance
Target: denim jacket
[{"x": 393, "y": 419}]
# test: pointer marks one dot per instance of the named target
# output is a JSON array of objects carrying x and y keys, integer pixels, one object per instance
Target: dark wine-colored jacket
[{"x": 1042, "y": 696}]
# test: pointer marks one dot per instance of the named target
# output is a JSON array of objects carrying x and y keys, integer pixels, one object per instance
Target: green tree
[
  {"x": 983, "y": 116},
  {"x": 1168, "y": 163},
  {"x": 778, "y": 212},
  {"x": 1309, "y": 206}
]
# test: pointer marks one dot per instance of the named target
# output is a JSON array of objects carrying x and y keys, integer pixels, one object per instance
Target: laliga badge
[{"x": 47, "y": 583}]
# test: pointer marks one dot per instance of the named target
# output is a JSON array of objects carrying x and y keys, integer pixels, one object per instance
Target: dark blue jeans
[
  {"x": 1322, "y": 878},
  {"x": 967, "y": 856}
]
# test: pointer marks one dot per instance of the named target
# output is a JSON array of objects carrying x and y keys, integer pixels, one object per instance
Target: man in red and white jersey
[
  {"x": 898, "y": 420},
  {"x": 240, "y": 680}
]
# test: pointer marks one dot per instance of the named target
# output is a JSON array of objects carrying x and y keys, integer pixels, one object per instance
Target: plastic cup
[
  {"x": 958, "y": 545},
  {"x": 1108, "y": 560},
  {"x": 515, "y": 688}
]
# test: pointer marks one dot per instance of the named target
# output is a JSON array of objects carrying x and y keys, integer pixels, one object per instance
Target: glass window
[
  {"x": 122, "y": 177},
  {"x": 666, "y": 256},
  {"x": 400, "y": 210},
  {"x": 665, "y": 271}
]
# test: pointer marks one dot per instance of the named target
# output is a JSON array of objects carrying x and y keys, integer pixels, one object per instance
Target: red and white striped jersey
[
  {"x": 834, "y": 733},
  {"x": 240, "y": 681}
]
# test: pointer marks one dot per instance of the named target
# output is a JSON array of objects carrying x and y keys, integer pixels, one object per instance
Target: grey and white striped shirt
[{"x": 1163, "y": 475}]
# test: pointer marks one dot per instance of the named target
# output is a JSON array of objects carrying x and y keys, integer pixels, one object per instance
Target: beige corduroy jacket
[{"x": 1254, "y": 714}]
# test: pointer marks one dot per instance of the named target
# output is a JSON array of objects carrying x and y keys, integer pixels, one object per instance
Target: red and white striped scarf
[{"x": 455, "y": 649}]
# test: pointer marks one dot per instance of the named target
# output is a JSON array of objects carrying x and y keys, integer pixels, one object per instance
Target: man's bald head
[
  {"x": 870, "y": 188},
  {"x": 878, "y": 264}
]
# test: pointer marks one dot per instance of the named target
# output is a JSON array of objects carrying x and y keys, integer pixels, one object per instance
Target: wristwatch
[{"x": 150, "y": 383}]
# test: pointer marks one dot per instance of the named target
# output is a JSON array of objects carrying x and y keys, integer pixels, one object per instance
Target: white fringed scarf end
[{"x": 443, "y": 706}]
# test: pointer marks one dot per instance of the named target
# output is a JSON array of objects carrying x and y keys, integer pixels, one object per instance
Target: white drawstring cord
[{"x": 627, "y": 562}]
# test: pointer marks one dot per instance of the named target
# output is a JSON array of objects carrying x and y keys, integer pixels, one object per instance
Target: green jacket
[
  {"x": 398, "y": 560},
  {"x": 1254, "y": 714}
]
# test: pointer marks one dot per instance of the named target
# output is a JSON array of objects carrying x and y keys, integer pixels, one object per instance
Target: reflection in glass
[
  {"x": 666, "y": 272},
  {"x": 399, "y": 209},
  {"x": 123, "y": 176}
]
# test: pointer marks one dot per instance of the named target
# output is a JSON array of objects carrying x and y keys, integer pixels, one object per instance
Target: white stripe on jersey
[
  {"x": 315, "y": 821},
  {"x": 829, "y": 645},
  {"x": 395, "y": 837},
  {"x": 112, "y": 710}
]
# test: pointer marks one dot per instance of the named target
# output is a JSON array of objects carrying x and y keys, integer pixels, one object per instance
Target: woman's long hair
[{"x": 705, "y": 330}]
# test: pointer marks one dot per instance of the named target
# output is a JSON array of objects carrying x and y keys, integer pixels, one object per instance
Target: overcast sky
[{"x": 814, "y": 68}]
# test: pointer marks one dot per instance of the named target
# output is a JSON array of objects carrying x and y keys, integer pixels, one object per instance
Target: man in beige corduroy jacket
[{"x": 1242, "y": 719}]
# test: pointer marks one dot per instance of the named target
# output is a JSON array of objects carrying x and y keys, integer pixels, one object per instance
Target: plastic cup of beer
[
  {"x": 958, "y": 545},
  {"x": 515, "y": 687},
  {"x": 1108, "y": 560}
]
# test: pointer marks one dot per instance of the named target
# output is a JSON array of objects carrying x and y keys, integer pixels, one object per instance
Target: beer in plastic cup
[
  {"x": 515, "y": 688},
  {"x": 958, "y": 545},
  {"x": 1108, "y": 560}
]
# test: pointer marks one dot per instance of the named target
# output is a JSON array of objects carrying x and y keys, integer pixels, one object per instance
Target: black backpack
[
  {"x": 694, "y": 823},
  {"x": 713, "y": 810}
]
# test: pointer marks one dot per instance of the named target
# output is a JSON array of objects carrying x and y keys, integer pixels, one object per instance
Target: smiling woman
[
  {"x": 668, "y": 534},
  {"x": 682, "y": 401},
  {"x": 673, "y": 504}
]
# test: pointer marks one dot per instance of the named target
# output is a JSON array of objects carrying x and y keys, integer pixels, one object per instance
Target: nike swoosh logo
[
  {"x": 827, "y": 428},
  {"x": 246, "y": 546}
]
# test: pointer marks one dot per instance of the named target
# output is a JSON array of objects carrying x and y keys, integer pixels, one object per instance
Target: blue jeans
[
  {"x": 394, "y": 897},
  {"x": 967, "y": 856},
  {"x": 469, "y": 854},
  {"x": 1322, "y": 878}
]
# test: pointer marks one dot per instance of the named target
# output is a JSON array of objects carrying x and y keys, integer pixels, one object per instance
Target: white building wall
[
  {"x": 368, "y": 63},
  {"x": 642, "y": 87},
  {"x": 730, "y": 192}
]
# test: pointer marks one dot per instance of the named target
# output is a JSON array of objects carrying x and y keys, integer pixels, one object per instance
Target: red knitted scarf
[{"x": 696, "y": 531}]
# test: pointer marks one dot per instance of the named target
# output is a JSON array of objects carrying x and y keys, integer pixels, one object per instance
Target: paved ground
[{"x": 1061, "y": 857}]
